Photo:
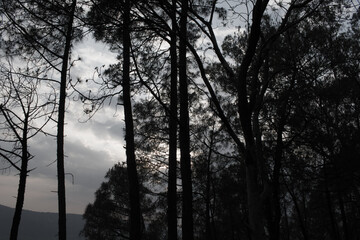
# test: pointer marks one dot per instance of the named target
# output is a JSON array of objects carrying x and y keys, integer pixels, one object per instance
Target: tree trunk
[
  {"x": 185, "y": 161},
  {"x": 61, "y": 122},
  {"x": 274, "y": 230},
  {"x": 208, "y": 230},
  {"x": 255, "y": 204},
  {"x": 254, "y": 198},
  {"x": 334, "y": 227},
  {"x": 275, "y": 221},
  {"x": 301, "y": 219},
  {"x": 343, "y": 216},
  {"x": 212, "y": 209},
  {"x": 172, "y": 197},
  {"x": 22, "y": 183},
  {"x": 134, "y": 195}
]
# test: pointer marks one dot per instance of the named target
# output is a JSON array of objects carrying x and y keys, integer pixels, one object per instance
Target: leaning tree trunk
[
  {"x": 171, "y": 196},
  {"x": 134, "y": 196},
  {"x": 22, "y": 182},
  {"x": 185, "y": 161},
  {"x": 61, "y": 123}
]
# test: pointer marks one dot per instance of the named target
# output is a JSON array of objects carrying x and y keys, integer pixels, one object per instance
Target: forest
[{"x": 253, "y": 134}]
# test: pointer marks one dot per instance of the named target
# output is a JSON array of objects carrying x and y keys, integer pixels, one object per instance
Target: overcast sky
[{"x": 91, "y": 148}]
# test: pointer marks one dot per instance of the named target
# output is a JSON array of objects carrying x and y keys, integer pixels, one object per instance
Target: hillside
[{"x": 38, "y": 225}]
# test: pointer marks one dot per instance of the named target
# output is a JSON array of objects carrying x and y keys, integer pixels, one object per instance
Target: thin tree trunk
[
  {"x": 213, "y": 208},
  {"x": 343, "y": 217},
  {"x": 287, "y": 235},
  {"x": 302, "y": 222},
  {"x": 134, "y": 195},
  {"x": 208, "y": 230},
  {"x": 275, "y": 223},
  {"x": 61, "y": 123},
  {"x": 334, "y": 230},
  {"x": 278, "y": 157},
  {"x": 172, "y": 197},
  {"x": 22, "y": 183},
  {"x": 185, "y": 161}
]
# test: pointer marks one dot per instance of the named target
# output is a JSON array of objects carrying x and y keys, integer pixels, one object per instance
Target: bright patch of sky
[{"x": 91, "y": 147}]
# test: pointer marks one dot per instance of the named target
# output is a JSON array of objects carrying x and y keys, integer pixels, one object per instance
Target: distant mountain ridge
[{"x": 39, "y": 225}]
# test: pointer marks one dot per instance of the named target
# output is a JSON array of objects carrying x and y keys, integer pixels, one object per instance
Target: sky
[{"x": 91, "y": 147}]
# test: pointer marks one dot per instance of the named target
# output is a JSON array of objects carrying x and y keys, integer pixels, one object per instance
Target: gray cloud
[{"x": 91, "y": 148}]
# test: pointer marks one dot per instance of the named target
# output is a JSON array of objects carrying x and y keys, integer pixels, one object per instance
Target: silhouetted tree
[
  {"x": 173, "y": 128},
  {"x": 184, "y": 133},
  {"x": 43, "y": 32},
  {"x": 124, "y": 26},
  {"x": 249, "y": 85},
  {"x": 24, "y": 114},
  {"x": 108, "y": 217},
  {"x": 134, "y": 197}
]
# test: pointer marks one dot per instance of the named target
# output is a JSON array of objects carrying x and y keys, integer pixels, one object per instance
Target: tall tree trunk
[
  {"x": 134, "y": 195},
  {"x": 185, "y": 161},
  {"x": 274, "y": 230},
  {"x": 255, "y": 204},
  {"x": 172, "y": 197},
  {"x": 274, "y": 221},
  {"x": 22, "y": 183},
  {"x": 212, "y": 209},
  {"x": 286, "y": 225},
  {"x": 61, "y": 122},
  {"x": 208, "y": 230},
  {"x": 334, "y": 227},
  {"x": 254, "y": 197},
  {"x": 343, "y": 216},
  {"x": 301, "y": 218}
]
